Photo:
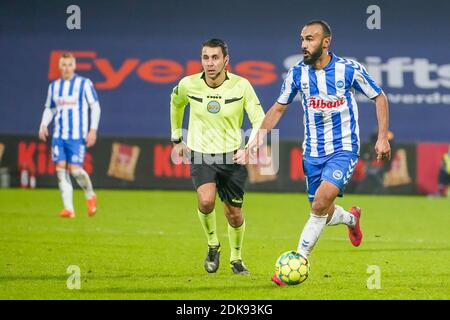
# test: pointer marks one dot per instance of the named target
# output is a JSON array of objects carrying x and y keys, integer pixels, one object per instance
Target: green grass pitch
[{"x": 149, "y": 245}]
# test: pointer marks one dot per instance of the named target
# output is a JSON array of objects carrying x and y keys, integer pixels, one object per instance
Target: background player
[
  {"x": 217, "y": 100},
  {"x": 331, "y": 145},
  {"x": 444, "y": 175},
  {"x": 68, "y": 98}
]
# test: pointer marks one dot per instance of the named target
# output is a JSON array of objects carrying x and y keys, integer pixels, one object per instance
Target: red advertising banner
[{"x": 429, "y": 161}]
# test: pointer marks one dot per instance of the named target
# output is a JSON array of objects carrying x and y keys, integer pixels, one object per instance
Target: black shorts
[
  {"x": 229, "y": 177},
  {"x": 444, "y": 177}
]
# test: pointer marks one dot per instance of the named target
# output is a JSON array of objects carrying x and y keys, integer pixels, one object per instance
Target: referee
[{"x": 217, "y": 101}]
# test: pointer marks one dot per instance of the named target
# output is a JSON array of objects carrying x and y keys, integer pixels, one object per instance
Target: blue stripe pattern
[
  {"x": 330, "y": 78},
  {"x": 80, "y": 105},
  {"x": 61, "y": 87},
  {"x": 318, "y": 119},
  {"x": 358, "y": 87},
  {"x": 370, "y": 81},
  {"x": 94, "y": 93},
  {"x": 72, "y": 82},
  {"x": 355, "y": 140},
  {"x": 60, "y": 122},
  {"x": 52, "y": 102},
  {"x": 70, "y": 123},
  {"x": 349, "y": 74},
  {"x": 313, "y": 88},
  {"x": 308, "y": 131},
  {"x": 337, "y": 131}
]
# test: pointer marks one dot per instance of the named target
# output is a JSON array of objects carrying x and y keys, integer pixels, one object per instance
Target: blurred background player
[
  {"x": 331, "y": 145},
  {"x": 69, "y": 98},
  {"x": 444, "y": 175},
  {"x": 374, "y": 170},
  {"x": 217, "y": 100}
]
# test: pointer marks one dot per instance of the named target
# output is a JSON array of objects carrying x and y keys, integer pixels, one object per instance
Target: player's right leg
[
  {"x": 236, "y": 230},
  {"x": 321, "y": 206},
  {"x": 231, "y": 188},
  {"x": 204, "y": 180},
  {"x": 206, "y": 194},
  {"x": 64, "y": 183},
  {"x": 76, "y": 150}
]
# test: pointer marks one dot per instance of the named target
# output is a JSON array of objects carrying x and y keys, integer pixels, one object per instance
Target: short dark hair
[
  {"x": 325, "y": 26},
  {"x": 66, "y": 55},
  {"x": 214, "y": 43}
]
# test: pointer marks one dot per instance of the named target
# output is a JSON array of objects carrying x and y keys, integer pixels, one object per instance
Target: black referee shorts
[{"x": 229, "y": 177}]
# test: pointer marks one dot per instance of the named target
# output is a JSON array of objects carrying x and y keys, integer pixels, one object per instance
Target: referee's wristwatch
[{"x": 176, "y": 141}]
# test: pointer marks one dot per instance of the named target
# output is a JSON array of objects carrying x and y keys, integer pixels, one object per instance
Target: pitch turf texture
[{"x": 149, "y": 245}]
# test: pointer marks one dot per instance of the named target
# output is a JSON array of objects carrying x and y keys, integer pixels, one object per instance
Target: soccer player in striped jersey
[
  {"x": 70, "y": 98},
  {"x": 331, "y": 145}
]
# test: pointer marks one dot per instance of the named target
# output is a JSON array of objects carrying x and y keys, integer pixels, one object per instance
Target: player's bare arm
[
  {"x": 91, "y": 138},
  {"x": 47, "y": 117},
  {"x": 43, "y": 133},
  {"x": 382, "y": 146}
]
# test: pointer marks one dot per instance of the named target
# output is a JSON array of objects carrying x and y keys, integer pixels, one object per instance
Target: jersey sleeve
[
  {"x": 91, "y": 94},
  {"x": 178, "y": 101},
  {"x": 49, "y": 102},
  {"x": 253, "y": 108},
  {"x": 364, "y": 83},
  {"x": 288, "y": 89}
]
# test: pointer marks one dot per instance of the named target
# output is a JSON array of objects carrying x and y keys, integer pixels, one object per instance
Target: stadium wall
[{"x": 145, "y": 163}]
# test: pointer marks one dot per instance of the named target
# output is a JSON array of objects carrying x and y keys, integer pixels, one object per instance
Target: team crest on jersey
[
  {"x": 340, "y": 84},
  {"x": 213, "y": 106},
  {"x": 337, "y": 174},
  {"x": 304, "y": 86}
]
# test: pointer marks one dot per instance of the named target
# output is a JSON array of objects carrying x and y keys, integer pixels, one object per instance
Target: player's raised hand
[
  {"x": 383, "y": 149},
  {"x": 43, "y": 133},
  {"x": 91, "y": 138}
]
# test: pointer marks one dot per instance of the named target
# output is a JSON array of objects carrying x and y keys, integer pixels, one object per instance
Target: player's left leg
[
  {"x": 236, "y": 230},
  {"x": 443, "y": 183},
  {"x": 230, "y": 187},
  {"x": 76, "y": 158},
  {"x": 64, "y": 183},
  {"x": 321, "y": 207}
]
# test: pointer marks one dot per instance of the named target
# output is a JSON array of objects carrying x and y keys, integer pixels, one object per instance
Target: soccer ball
[{"x": 292, "y": 268}]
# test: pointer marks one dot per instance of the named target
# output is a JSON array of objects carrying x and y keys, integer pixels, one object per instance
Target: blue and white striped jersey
[
  {"x": 330, "y": 110},
  {"x": 71, "y": 99}
]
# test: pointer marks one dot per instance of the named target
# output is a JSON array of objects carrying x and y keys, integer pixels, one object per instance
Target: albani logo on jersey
[
  {"x": 64, "y": 102},
  {"x": 322, "y": 104}
]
